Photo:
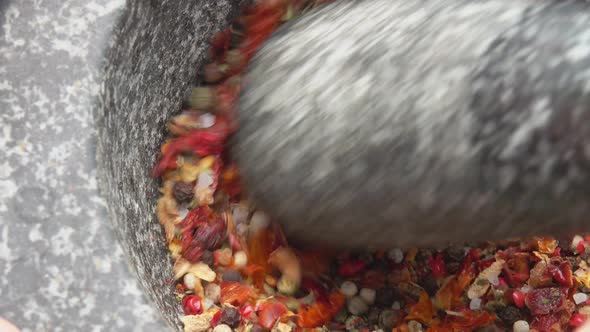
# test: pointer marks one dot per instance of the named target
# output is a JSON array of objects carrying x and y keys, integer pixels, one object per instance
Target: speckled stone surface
[
  {"x": 434, "y": 121},
  {"x": 155, "y": 58},
  {"x": 61, "y": 268}
]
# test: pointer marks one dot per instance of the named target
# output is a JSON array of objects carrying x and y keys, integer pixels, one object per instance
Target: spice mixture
[{"x": 235, "y": 271}]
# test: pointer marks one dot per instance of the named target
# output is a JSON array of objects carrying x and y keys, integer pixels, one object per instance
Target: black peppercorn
[
  {"x": 230, "y": 316},
  {"x": 183, "y": 191},
  {"x": 207, "y": 257},
  {"x": 510, "y": 314}
]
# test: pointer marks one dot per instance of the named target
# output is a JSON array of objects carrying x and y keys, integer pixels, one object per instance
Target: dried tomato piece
[
  {"x": 201, "y": 231},
  {"x": 270, "y": 312},
  {"x": 235, "y": 293},
  {"x": 545, "y": 300},
  {"x": 562, "y": 274}
]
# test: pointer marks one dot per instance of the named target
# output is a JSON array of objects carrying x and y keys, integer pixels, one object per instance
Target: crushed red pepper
[{"x": 230, "y": 255}]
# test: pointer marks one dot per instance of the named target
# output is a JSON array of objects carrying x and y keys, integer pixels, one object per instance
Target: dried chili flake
[
  {"x": 468, "y": 320},
  {"x": 351, "y": 268},
  {"x": 321, "y": 312},
  {"x": 235, "y": 293},
  {"x": 436, "y": 264},
  {"x": 270, "y": 312},
  {"x": 201, "y": 142},
  {"x": 536, "y": 276},
  {"x": 423, "y": 311}
]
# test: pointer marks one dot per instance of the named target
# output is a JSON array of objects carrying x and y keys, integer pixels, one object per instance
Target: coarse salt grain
[
  {"x": 357, "y": 306},
  {"x": 240, "y": 259},
  {"x": 207, "y": 303},
  {"x": 182, "y": 211},
  {"x": 526, "y": 289},
  {"x": 260, "y": 220},
  {"x": 580, "y": 298},
  {"x": 206, "y": 120},
  {"x": 190, "y": 280},
  {"x": 575, "y": 241},
  {"x": 213, "y": 292},
  {"x": 521, "y": 326},
  {"x": 348, "y": 288},
  {"x": 222, "y": 328},
  {"x": 475, "y": 304},
  {"x": 368, "y": 295},
  {"x": 396, "y": 255}
]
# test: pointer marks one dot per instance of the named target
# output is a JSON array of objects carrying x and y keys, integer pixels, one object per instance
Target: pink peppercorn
[
  {"x": 518, "y": 298},
  {"x": 577, "y": 320},
  {"x": 192, "y": 305}
]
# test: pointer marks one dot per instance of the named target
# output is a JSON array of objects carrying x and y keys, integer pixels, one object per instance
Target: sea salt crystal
[
  {"x": 580, "y": 298},
  {"x": 348, "y": 288},
  {"x": 396, "y": 255},
  {"x": 206, "y": 120},
  {"x": 260, "y": 220},
  {"x": 521, "y": 326},
  {"x": 368, "y": 295},
  {"x": 475, "y": 304}
]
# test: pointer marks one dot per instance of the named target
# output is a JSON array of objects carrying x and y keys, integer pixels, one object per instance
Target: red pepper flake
[
  {"x": 270, "y": 312},
  {"x": 577, "y": 320},
  {"x": 518, "y": 298},
  {"x": 562, "y": 274},
  {"x": 235, "y": 293},
  {"x": 583, "y": 246},
  {"x": 437, "y": 265},
  {"x": 216, "y": 318},
  {"x": 246, "y": 311},
  {"x": 321, "y": 312},
  {"x": 423, "y": 311},
  {"x": 202, "y": 142},
  {"x": 351, "y": 268}
]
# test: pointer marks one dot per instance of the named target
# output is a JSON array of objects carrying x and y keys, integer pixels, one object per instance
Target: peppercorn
[
  {"x": 453, "y": 267},
  {"x": 257, "y": 328},
  {"x": 430, "y": 285},
  {"x": 455, "y": 253},
  {"x": 232, "y": 275},
  {"x": 207, "y": 257},
  {"x": 230, "y": 316},
  {"x": 183, "y": 191},
  {"x": 373, "y": 316},
  {"x": 510, "y": 314},
  {"x": 385, "y": 297},
  {"x": 388, "y": 319}
]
